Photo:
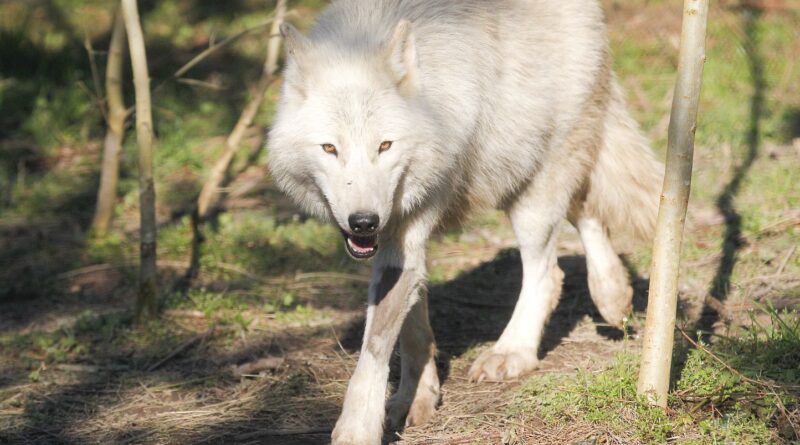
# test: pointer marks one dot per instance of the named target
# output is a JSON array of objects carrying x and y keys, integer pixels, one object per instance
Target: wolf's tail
[{"x": 625, "y": 184}]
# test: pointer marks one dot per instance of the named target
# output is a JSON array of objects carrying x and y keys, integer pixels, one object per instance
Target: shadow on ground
[
  {"x": 476, "y": 306},
  {"x": 471, "y": 309},
  {"x": 733, "y": 240}
]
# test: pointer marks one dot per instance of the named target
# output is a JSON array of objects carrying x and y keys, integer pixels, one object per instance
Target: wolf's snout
[
  {"x": 363, "y": 223},
  {"x": 361, "y": 241}
]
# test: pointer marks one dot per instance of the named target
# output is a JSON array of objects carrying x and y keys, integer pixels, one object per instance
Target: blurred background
[{"x": 254, "y": 344}]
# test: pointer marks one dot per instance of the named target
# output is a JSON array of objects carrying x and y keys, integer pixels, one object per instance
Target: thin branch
[
  {"x": 115, "y": 119},
  {"x": 180, "y": 349},
  {"x": 214, "y": 47},
  {"x": 785, "y": 260},
  {"x": 206, "y": 53},
  {"x": 98, "y": 90}
]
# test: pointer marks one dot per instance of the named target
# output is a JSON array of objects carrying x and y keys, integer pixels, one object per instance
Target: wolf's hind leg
[
  {"x": 418, "y": 393},
  {"x": 536, "y": 226},
  {"x": 609, "y": 282}
]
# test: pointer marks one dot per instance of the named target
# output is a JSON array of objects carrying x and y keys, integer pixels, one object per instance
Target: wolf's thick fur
[{"x": 484, "y": 103}]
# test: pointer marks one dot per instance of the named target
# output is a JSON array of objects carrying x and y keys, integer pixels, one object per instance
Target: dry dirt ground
[{"x": 282, "y": 381}]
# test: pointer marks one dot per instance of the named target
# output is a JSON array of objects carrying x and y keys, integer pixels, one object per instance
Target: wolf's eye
[
  {"x": 385, "y": 145},
  {"x": 329, "y": 148}
]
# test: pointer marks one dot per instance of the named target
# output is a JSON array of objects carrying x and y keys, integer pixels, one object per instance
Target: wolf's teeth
[{"x": 359, "y": 249}]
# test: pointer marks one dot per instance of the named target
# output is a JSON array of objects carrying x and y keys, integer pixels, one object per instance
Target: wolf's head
[{"x": 349, "y": 124}]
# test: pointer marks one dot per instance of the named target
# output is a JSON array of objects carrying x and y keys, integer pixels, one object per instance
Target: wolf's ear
[
  {"x": 402, "y": 57},
  {"x": 294, "y": 42},
  {"x": 296, "y": 46}
]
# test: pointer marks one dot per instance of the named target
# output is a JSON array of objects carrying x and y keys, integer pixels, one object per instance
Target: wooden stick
[
  {"x": 182, "y": 347},
  {"x": 294, "y": 432},
  {"x": 147, "y": 300},
  {"x": 98, "y": 92},
  {"x": 663, "y": 298},
  {"x": 785, "y": 260}
]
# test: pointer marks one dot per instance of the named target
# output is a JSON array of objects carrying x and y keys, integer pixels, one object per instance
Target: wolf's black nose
[{"x": 363, "y": 223}]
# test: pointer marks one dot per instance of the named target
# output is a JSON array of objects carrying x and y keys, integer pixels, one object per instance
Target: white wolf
[{"x": 400, "y": 116}]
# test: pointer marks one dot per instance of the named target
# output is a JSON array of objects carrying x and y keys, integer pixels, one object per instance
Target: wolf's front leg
[
  {"x": 535, "y": 218},
  {"x": 418, "y": 393},
  {"x": 398, "y": 276}
]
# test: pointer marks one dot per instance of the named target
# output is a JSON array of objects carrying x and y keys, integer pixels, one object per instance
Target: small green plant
[
  {"x": 734, "y": 391},
  {"x": 242, "y": 322},
  {"x": 35, "y": 375},
  {"x": 607, "y": 397},
  {"x": 744, "y": 380}
]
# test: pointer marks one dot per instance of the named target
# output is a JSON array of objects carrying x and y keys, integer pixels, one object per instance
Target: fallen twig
[
  {"x": 779, "y": 224},
  {"x": 331, "y": 275},
  {"x": 182, "y": 347},
  {"x": 785, "y": 260},
  {"x": 718, "y": 306},
  {"x": 84, "y": 271},
  {"x": 77, "y": 367},
  {"x": 184, "y": 313},
  {"x": 772, "y": 277},
  {"x": 294, "y": 432},
  {"x": 253, "y": 368}
]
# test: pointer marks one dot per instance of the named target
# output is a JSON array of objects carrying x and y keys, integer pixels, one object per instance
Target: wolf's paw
[
  {"x": 356, "y": 433},
  {"x": 497, "y": 366},
  {"x": 613, "y": 300},
  {"x": 400, "y": 415},
  {"x": 343, "y": 438},
  {"x": 612, "y": 294}
]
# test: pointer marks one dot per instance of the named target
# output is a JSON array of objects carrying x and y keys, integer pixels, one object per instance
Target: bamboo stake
[
  {"x": 661, "y": 309},
  {"x": 146, "y": 302},
  {"x": 112, "y": 146}
]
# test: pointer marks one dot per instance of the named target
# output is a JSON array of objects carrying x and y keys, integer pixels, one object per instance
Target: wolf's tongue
[
  {"x": 363, "y": 249},
  {"x": 360, "y": 245}
]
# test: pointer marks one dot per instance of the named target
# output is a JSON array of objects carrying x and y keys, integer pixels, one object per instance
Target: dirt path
[
  {"x": 185, "y": 385},
  {"x": 190, "y": 393}
]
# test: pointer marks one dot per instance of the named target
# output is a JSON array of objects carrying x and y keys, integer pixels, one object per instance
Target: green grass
[
  {"x": 608, "y": 398},
  {"x": 726, "y": 393}
]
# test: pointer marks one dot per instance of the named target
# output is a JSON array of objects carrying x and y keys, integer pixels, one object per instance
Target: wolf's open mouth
[{"x": 360, "y": 247}]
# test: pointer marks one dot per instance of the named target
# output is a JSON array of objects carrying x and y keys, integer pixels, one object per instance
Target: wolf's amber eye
[
  {"x": 329, "y": 148},
  {"x": 385, "y": 145}
]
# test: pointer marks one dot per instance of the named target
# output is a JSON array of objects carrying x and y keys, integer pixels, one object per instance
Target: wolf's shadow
[{"x": 476, "y": 306}]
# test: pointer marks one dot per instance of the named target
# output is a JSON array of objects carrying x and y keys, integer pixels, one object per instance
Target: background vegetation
[{"x": 258, "y": 347}]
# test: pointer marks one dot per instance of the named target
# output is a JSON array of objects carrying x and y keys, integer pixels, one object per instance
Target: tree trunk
[
  {"x": 662, "y": 305},
  {"x": 146, "y": 302},
  {"x": 109, "y": 174}
]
